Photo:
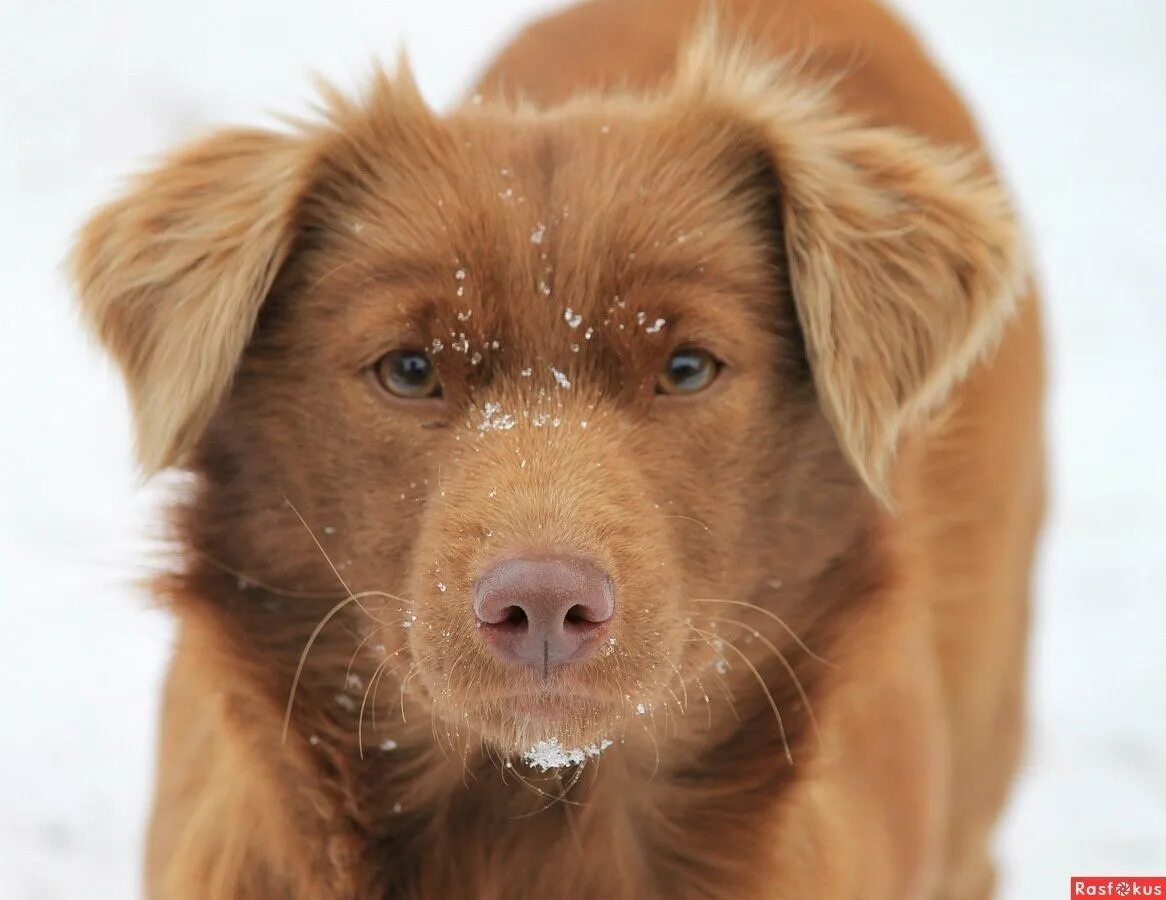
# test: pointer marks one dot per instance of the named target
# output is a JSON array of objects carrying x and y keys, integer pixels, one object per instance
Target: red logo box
[{"x": 1117, "y": 886}]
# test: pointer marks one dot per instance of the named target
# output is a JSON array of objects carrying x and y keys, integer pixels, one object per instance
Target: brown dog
[{"x": 624, "y": 486}]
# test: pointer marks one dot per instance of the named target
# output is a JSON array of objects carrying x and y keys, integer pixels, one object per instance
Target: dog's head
[{"x": 542, "y": 383}]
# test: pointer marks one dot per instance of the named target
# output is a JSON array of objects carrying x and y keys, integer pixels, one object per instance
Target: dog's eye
[
  {"x": 408, "y": 374},
  {"x": 687, "y": 371}
]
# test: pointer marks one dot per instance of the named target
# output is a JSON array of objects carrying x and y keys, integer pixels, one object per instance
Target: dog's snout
[{"x": 544, "y": 612}]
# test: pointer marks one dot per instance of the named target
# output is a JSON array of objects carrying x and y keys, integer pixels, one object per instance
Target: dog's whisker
[
  {"x": 376, "y": 682},
  {"x": 680, "y": 678},
  {"x": 397, "y": 597},
  {"x": 552, "y": 799},
  {"x": 720, "y": 681},
  {"x": 768, "y": 695},
  {"x": 355, "y": 653},
  {"x": 404, "y": 684},
  {"x": 693, "y": 519},
  {"x": 437, "y": 742},
  {"x": 453, "y": 667},
  {"x": 336, "y": 270},
  {"x": 319, "y": 546},
  {"x": 575, "y": 776},
  {"x": 467, "y": 775},
  {"x": 486, "y": 751},
  {"x": 776, "y": 618},
  {"x": 788, "y": 668},
  {"x": 332, "y": 566},
  {"x": 708, "y": 704},
  {"x": 304, "y": 657},
  {"x": 364, "y": 700},
  {"x": 656, "y": 748},
  {"x": 251, "y": 580}
]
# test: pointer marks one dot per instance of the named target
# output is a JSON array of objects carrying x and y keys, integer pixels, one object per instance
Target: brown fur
[{"x": 821, "y": 564}]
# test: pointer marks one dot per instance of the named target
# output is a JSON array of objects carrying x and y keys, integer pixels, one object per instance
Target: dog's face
[
  {"x": 544, "y": 387},
  {"x": 557, "y": 353}
]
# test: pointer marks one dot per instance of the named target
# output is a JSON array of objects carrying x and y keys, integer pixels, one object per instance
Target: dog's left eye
[{"x": 687, "y": 371}]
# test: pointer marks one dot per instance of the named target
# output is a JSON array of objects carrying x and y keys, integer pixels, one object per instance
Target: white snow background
[{"x": 1072, "y": 94}]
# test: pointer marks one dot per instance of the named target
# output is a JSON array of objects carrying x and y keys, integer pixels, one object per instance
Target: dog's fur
[{"x": 821, "y": 563}]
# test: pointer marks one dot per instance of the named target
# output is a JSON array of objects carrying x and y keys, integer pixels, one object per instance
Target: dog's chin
[{"x": 514, "y": 724}]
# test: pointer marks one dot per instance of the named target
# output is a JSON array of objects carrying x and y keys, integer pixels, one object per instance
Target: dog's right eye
[{"x": 408, "y": 374}]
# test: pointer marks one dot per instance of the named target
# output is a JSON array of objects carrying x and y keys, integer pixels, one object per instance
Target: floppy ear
[
  {"x": 905, "y": 262},
  {"x": 905, "y": 259},
  {"x": 171, "y": 276}
]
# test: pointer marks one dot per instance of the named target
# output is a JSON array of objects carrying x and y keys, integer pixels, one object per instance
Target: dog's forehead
[
  {"x": 563, "y": 217},
  {"x": 582, "y": 240}
]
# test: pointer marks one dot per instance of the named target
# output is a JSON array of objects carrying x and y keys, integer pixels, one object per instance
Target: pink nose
[{"x": 544, "y": 612}]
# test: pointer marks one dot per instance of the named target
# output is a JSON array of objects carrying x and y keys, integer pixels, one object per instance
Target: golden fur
[{"x": 821, "y": 564}]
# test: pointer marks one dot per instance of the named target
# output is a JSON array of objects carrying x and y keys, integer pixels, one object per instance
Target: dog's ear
[
  {"x": 171, "y": 276},
  {"x": 905, "y": 262},
  {"x": 905, "y": 258}
]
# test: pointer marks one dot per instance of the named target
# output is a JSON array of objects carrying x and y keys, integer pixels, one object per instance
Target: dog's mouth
[
  {"x": 550, "y": 708},
  {"x": 562, "y": 711}
]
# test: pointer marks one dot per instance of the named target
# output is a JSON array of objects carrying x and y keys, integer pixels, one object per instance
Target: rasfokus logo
[{"x": 1113, "y": 886}]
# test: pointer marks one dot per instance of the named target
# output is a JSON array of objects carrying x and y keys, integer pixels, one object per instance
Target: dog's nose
[{"x": 544, "y": 612}]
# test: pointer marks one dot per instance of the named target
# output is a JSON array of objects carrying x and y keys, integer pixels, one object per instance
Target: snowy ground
[{"x": 88, "y": 90}]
